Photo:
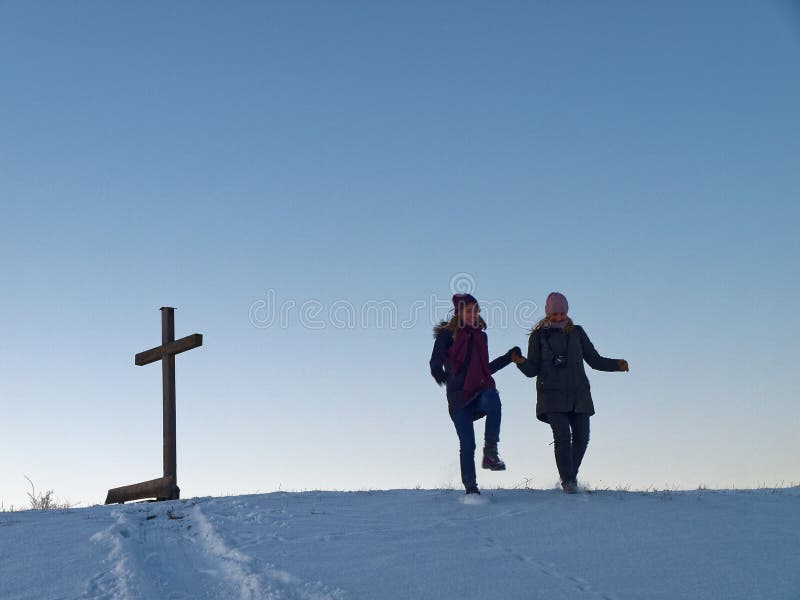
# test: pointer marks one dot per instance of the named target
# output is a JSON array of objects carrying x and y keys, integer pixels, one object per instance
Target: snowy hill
[{"x": 412, "y": 544}]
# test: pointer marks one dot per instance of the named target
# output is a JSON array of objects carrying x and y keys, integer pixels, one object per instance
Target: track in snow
[{"x": 176, "y": 553}]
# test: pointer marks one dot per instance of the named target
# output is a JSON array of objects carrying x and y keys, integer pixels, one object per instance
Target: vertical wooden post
[{"x": 168, "y": 384}]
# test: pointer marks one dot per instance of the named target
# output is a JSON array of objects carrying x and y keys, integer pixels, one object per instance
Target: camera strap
[{"x": 549, "y": 348}]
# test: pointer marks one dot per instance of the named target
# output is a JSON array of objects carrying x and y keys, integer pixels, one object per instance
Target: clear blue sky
[{"x": 641, "y": 157}]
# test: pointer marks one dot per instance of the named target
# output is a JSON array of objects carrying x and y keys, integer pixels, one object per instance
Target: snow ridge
[{"x": 421, "y": 544}]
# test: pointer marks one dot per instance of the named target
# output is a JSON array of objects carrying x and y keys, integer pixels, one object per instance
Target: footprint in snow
[{"x": 550, "y": 570}]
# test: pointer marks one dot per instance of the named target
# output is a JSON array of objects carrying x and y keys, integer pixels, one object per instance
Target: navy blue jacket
[{"x": 455, "y": 381}]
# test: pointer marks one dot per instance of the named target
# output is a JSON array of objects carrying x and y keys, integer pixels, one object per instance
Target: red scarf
[{"x": 478, "y": 376}]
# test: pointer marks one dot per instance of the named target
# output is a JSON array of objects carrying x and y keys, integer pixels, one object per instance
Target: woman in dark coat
[
  {"x": 556, "y": 351},
  {"x": 460, "y": 359}
]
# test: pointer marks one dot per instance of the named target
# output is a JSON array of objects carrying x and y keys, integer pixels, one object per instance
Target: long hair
[
  {"x": 452, "y": 325},
  {"x": 545, "y": 323}
]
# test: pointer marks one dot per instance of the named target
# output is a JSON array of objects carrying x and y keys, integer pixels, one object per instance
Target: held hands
[
  {"x": 623, "y": 365},
  {"x": 516, "y": 355}
]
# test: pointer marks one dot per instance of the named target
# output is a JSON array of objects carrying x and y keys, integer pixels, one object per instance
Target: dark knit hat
[{"x": 460, "y": 300}]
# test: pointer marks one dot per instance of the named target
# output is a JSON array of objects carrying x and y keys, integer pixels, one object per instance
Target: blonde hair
[{"x": 545, "y": 323}]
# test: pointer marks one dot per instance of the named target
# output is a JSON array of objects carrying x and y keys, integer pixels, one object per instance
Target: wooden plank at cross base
[{"x": 163, "y": 488}]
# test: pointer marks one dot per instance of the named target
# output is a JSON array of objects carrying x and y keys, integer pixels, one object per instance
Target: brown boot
[{"x": 492, "y": 460}]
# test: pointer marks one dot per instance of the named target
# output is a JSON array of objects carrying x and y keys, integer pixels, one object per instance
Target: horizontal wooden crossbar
[{"x": 176, "y": 347}]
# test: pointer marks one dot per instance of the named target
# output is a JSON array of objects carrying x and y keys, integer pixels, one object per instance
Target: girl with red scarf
[{"x": 460, "y": 359}]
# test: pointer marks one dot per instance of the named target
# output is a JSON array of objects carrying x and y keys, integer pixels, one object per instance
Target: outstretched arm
[
  {"x": 440, "y": 348},
  {"x": 593, "y": 358},
  {"x": 502, "y": 361},
  {"x": 530, "y": 366}
]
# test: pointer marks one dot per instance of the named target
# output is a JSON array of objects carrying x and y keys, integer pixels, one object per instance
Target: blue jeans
[
  {"x": 571, "y": 437},
  {"x": 488, "y": 402}
]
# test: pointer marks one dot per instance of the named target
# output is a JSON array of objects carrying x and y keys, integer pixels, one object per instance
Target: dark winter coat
[
  {"x": 443, "y": 373},
  {"x": 563, "y": 389}
]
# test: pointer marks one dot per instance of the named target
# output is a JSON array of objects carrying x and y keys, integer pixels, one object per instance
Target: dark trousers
[
  {"x": 571, "y": 437},
  {"x": 487, "y": 402}
]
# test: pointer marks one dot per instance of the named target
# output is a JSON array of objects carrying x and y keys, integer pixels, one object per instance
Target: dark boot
[
  {"x": 473, "y": 489},
  {"x": 569, "y": 487},
  {"x": 491, "y": 460}
]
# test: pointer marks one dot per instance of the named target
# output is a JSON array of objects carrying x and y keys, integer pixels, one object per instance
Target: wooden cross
[{"x": 166, "y": 487}]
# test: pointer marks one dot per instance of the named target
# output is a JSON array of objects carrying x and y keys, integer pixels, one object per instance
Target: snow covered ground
[{"x": 412, "y": 544}]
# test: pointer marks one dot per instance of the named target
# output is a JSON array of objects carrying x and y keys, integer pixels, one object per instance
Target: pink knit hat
[{"x": 556, "y": 303}]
